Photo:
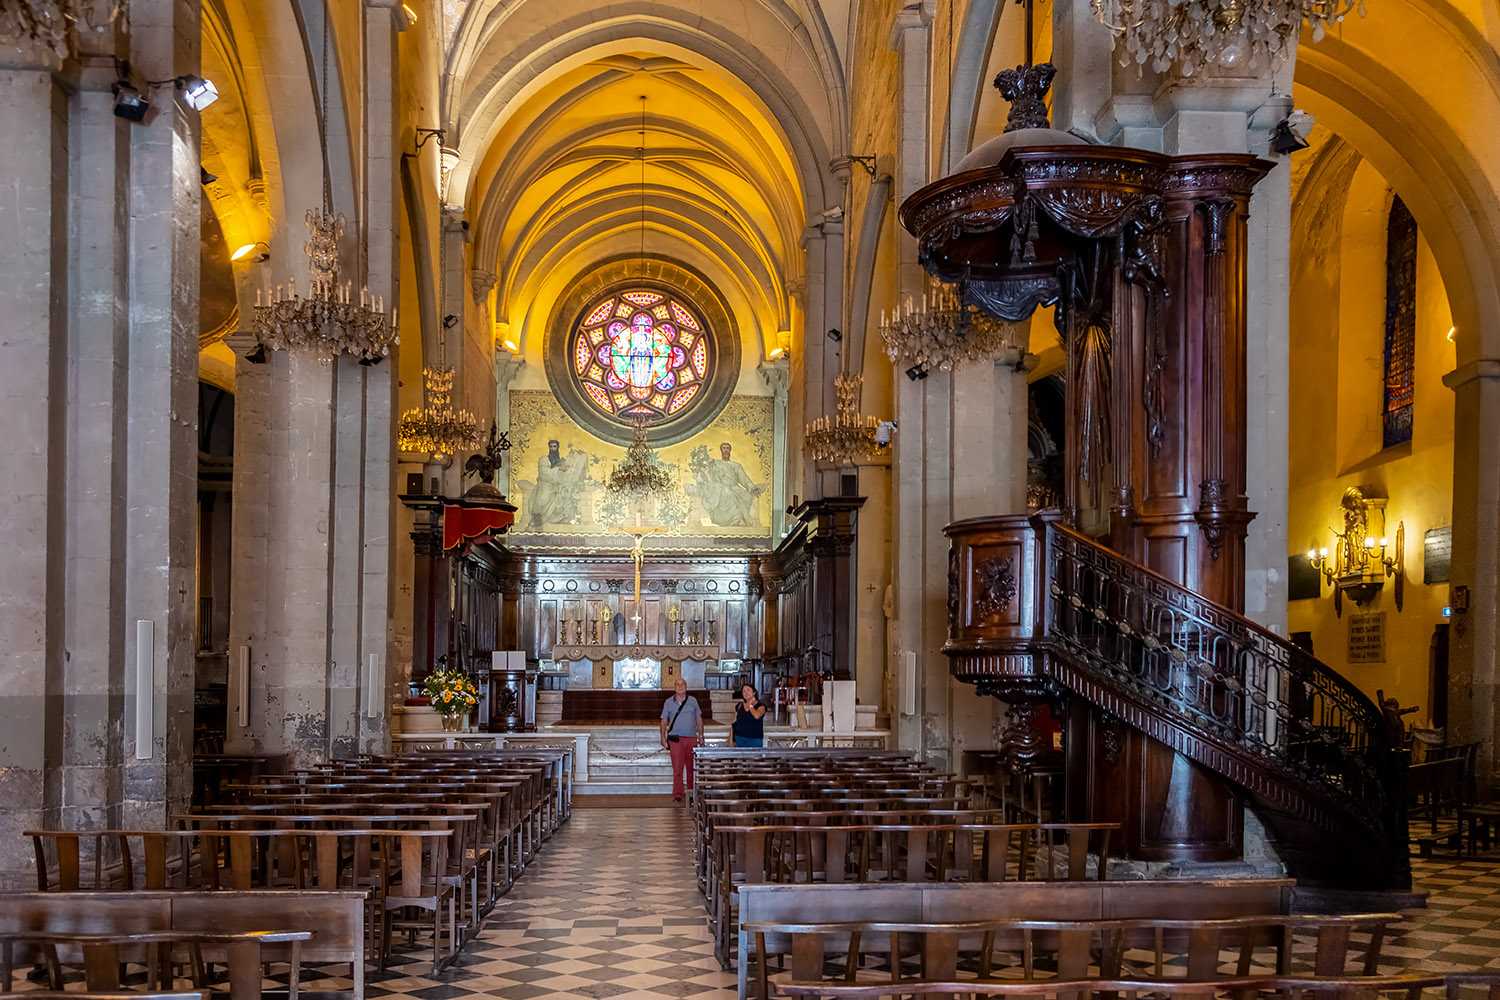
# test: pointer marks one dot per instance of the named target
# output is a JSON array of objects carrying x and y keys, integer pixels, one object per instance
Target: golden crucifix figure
[{"x": 638, "y": 556}]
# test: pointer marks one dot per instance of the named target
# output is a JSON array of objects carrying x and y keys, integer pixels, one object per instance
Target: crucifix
[{"x": 638, "y": 556}]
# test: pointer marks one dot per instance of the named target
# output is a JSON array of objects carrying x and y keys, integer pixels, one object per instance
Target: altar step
[
  {"x": 629, "y": 760},
  {"x": 548, "y": 707}
]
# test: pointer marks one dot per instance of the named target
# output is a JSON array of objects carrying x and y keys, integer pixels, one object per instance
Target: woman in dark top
[{"x": 749, "y": 730}]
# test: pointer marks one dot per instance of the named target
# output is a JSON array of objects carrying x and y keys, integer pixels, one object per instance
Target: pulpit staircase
[{"x": 1034, "y": 606}]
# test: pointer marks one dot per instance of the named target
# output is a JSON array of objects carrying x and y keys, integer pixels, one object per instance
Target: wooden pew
[
  {"x": 103, "y": 955},
  {"x": 336, "y": 920},
  {"x": 1409, "y": 986},
  {"x": 894, "y": 852},
  {"x": 1071, "y": 949},
  {"x": 936, "y": 902}
]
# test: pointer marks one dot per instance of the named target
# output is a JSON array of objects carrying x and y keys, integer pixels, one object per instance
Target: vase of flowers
[{"x": 453, "y": 696}]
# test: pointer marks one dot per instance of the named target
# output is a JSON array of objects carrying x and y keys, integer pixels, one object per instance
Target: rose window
[{"x": 641, "y": 353}]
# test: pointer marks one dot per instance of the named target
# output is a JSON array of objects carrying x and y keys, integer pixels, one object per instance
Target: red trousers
[{"x": 681, "y": 753}]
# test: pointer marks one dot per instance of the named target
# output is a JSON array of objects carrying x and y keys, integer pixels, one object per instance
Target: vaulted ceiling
[{"x": 581, "y": 125}]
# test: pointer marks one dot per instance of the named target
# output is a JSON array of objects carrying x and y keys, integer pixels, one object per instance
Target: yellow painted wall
[{"x": 1337, "y": 308}]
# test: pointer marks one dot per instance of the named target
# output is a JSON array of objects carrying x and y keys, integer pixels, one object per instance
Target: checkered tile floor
[
  {"x": 610, "y": 909},
  {"x": 1460, "y": 928}
]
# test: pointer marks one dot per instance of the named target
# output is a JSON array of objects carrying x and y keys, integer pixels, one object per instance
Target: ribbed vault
[{"x": 580, "y": 125}]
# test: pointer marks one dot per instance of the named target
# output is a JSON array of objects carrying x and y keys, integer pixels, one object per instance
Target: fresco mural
[{"x": 722, "y": 475}]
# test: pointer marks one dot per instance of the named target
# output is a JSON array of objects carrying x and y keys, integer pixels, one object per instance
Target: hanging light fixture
[
  {"x": 638, "y": 476},
  {"x": 944, "y": 332},
  {"x": 1196, "y": 33},
  {"x": 848, "y": 435},
  {"x": 327, "y": 320},
  {"x": 437, "y": 428},
  {"x": 45, "y": 22}
]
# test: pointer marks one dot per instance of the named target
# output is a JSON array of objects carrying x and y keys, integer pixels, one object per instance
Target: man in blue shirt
[{"x": 681, "y": 732}]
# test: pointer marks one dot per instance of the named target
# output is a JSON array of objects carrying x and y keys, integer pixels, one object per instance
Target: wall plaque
[
  {"x": 1437, "y": 552},
  {"x": 1367, "y": 638}
]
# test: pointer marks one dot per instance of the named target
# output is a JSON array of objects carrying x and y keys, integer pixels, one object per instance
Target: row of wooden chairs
[
  {"x": 852, "y": 816},
  {"x": 893, "y": 953},
  {"x": 432, "y": 840},
  {"x": 103, "y": 956}
]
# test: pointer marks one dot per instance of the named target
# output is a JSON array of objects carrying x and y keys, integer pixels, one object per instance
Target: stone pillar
[
  {"x": 161, "y": 481},
  {"x": 989, "y": 421},
  {"x": 384, "y": 21},
  {"x": 823, "y": 251},
  {"x": 775, "y": 375},
  {"x": 1476, "y": 558},
  {"x": 33, "y": 298},
  {"x": 922, "y": 453},
  {"x": 92, "y": 742}
]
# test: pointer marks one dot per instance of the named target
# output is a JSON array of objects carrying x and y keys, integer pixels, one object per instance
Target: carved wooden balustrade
[{"x": 1038, "y": 611}]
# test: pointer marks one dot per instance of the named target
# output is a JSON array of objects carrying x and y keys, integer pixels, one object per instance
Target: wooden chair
[{"x": 415, "y": 863}]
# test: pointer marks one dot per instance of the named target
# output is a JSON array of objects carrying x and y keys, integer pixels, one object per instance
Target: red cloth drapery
[{"x": 462, "y": 523}]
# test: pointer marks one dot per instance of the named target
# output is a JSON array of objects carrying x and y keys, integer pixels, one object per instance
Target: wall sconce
[{"x": 1360, "y": 563}]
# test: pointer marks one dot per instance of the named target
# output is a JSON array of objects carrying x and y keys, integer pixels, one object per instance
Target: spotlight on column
[
  {"x": 197, "y": 92},
  {"x": 917, "y": 372},
  {"x": 835, "y": 336},
  {"x": 130, "y": 103},
  {"x": 371, "y": 362},
  {"x": 204, "y": 176},
  {"x": 1288, "y": 135},
  {"x": 251, "y": 253},
  {"x": 257, "y": 356}
]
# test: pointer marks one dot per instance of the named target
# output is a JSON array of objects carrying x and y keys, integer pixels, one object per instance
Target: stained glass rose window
[{"x": 641, "y": 352}]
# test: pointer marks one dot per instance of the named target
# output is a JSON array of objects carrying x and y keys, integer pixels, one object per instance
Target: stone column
[
  {"x": 92, "y": 742},
  {"x": 775, "y": 375},
  {"x": 384, "y": 21},
  {"x": 1476, "y": 558},
  {"x": 823, "y": 247},
  {"x": 923, "y": 459},
  {"x": 33, "y": 300},
  {"x": 159, "y": 503},
  {"x": 989, "y": 420}
]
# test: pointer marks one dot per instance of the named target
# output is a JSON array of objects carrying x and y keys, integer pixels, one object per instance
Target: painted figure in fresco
[
  {"x": 727, "y": 493},
  {"x": 559, "y": 481}
]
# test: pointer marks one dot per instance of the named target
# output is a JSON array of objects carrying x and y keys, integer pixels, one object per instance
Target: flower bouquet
[{"x": 453, "y": 695}]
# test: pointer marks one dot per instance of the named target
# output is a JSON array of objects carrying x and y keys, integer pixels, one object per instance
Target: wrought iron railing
[{"x": 1242, "y": 687}]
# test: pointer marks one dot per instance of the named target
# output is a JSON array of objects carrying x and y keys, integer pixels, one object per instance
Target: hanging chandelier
[
  {"x": 437, "y": 428},
  {"x": 327, "y": 320},
  {"x": 848, "y": 435},
  {"x": 45, "y": 22},
  {"x": 1196, "y": 33},
  {"x": 638, "y": 476},
  {"x": 942, "y": 332}
]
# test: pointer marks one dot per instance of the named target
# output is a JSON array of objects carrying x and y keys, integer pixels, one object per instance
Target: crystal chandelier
[
  {"x": 942, "y": 332},
  {"x": 45, "y": 22},
  {"x": 847, "y": 436},
  {"x": 327, "y": 319},
  {"x": 638, "y": 475},
  {"x": 437, "y": 428},
  {"x": 1196, "y": 33}
]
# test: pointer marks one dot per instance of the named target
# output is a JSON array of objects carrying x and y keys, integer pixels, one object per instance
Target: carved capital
[
  {"x": 528, "y": 586},
  {"x": 480, "y": 283}
]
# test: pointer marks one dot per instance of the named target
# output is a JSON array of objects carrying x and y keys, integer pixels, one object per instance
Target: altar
[{"x": 635, "y": 666}]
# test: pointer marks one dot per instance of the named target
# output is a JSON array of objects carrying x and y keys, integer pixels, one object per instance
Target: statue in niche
[
  {"x": 559, "y": 482},
  {"x": 724, "y": 489}
]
